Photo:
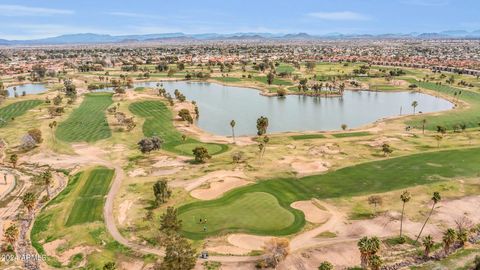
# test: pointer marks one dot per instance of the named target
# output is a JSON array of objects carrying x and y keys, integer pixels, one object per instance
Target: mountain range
[{"x": 90, "y": 38}]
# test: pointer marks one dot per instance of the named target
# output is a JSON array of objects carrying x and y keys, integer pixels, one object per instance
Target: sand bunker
[
  {"x": 216, "y": 189},
  {"x": 312, "y": 213},
  {"x": 7, "y": 187},
  {"x": 247, "y": 241},
  {"x": 137, "y": 172},
  {"x": 228, "y": 250},
  {"x": 166, "y": 161}
]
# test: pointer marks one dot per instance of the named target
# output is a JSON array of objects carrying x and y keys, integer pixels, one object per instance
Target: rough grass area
[
  {"x": 367, "y": 178},
  {"x": 307, "y": 137},
  {"x": 10, "y": 112},
  {"x": 74, "y": 203},
  {"x": 351, "y": 134},
  {"x": 87, "y": 123},
  {"x": 158, "y": 122},
  {"x": 276, "y": 81},
  {"x": 469, "y": 116}
]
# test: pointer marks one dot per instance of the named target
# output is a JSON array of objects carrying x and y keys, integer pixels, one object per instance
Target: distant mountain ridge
[{"x": 90, "y": 38}]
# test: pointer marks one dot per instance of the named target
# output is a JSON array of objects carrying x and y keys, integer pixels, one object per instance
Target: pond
[
  {"x": 219, "y": 104},
  {"x": 29, "y": 88}
]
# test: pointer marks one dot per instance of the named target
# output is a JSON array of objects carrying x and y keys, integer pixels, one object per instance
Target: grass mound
[
  {"x": 87, "y": 123},
  {"x": 307, "y": 137},
  {"x": 10, "y": 112},
  {"x": 367, "y": 178},
  {"x": 351, "y": 134},
  {"x": 158, "y": 122}
]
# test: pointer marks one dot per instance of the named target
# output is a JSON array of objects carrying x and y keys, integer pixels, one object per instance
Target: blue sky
[{"x": 26, "y": 19}]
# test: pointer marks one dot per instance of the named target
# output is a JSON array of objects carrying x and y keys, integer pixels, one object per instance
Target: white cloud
[
  {"x": 17, "y": 10},
  {"x": 339, "y": 16}
]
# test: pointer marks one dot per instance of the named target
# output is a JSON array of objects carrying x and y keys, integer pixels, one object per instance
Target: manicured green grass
[
  {"x": 276, "y": 81},
  {"x": 158, "y": 122},
  {"x": 88, "y": 122},
  {"x": 285, "y": 68},
  {"x": 367, "y": 178},
  {"x": 88, "y": 205},
  {"x": 227, "y": 79},
  {"x": 351, "y": 134},
  {"x": 469, "y": 116},
  {"x": 307, "y": 137},
  {"x": 11, "y": 111},
  {"x": 243, "y": 212}
]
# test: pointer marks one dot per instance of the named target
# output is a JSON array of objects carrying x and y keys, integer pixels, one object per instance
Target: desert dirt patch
[
  {"x": 304, "y": 166},
  {"x": 51, "y": 249},
  {"x": 379, "y": 141},
  {"x": 312, "y": 213},
  {"x": 123, "y": 209}
]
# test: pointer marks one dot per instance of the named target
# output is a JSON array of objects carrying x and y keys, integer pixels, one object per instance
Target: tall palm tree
[
  {"x": 405, "y": 197},
  {"x": 428, "y": 244},
  {"x": 29, "y": 201},
  {"x": 435, "y": 198},
  {"x": 232, "y": 124},
  {"x": 266, "y": 139},
  {"x": 46, "y": 178},
  {"x": 414, "y": 105},
  {"x": 448, "y": 239},
  {"x": 424, "y": 121}
]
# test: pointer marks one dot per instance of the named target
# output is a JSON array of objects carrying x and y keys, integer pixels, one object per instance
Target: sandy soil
[
  {"x": 7, "y": 187},
  {"x": 137, "y": 172},
  {"x": 304, "y": 166},
  {"x": 215, "y": 176},
  {"x": 132, "y": 265},
  {"x": 312, "y": 213},
  {"x": 166, "y": 161},
  {"x": 123, "y": 210},
  {"x": 328, "y": 148},
  {"x": 378, "y": 142},
  {"x": 216, "y": 189}
]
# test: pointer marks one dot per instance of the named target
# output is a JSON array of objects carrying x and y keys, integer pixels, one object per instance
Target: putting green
[
  {"x": 362, "y": 179},
  {"x": 259, "y": 212}
]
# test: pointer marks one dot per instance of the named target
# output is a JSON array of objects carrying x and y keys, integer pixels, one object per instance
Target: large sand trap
[
  {"x": 312, "y": 213},
  {"x": 228, "y": 250},
  {"x": 247, "y": 241},
  {"x": 216, "y": 189},
  {"x": 304, "y": 166}
]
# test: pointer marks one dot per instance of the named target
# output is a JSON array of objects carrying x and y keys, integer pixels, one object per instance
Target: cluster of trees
[
  {"x": 31, "y": 139},
  {"x": 127, "y": 122},
  {"x": 201, "y": 154},
  {"x": 185, "y": 115},
  {"x": 148, "y": 145}
]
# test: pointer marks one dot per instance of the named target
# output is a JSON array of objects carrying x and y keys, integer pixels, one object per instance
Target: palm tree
[
  {"x": 11, "y": 234},
  {"x": 414, "y": 105},
  {"x": 14, "y": 160},
  {"x": 438, "y": 138},
  {"x": 266, "y": 139},
  {"x": 29, "y": 201},
  {"x": 424, "y": 121},
  {"x": 428, "y": 244},
  {"x": 232, "y": 124},
  {"x": 52, "y": 125},
  {"x": 435, "y": 198},
  {"x": 405, "y": 197},
  {"x": 448, "y": 239},
  {"x": 362, "y": 245},
  {"x": 375, "y": 262},
  {"x": 46, "y": 178}
]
